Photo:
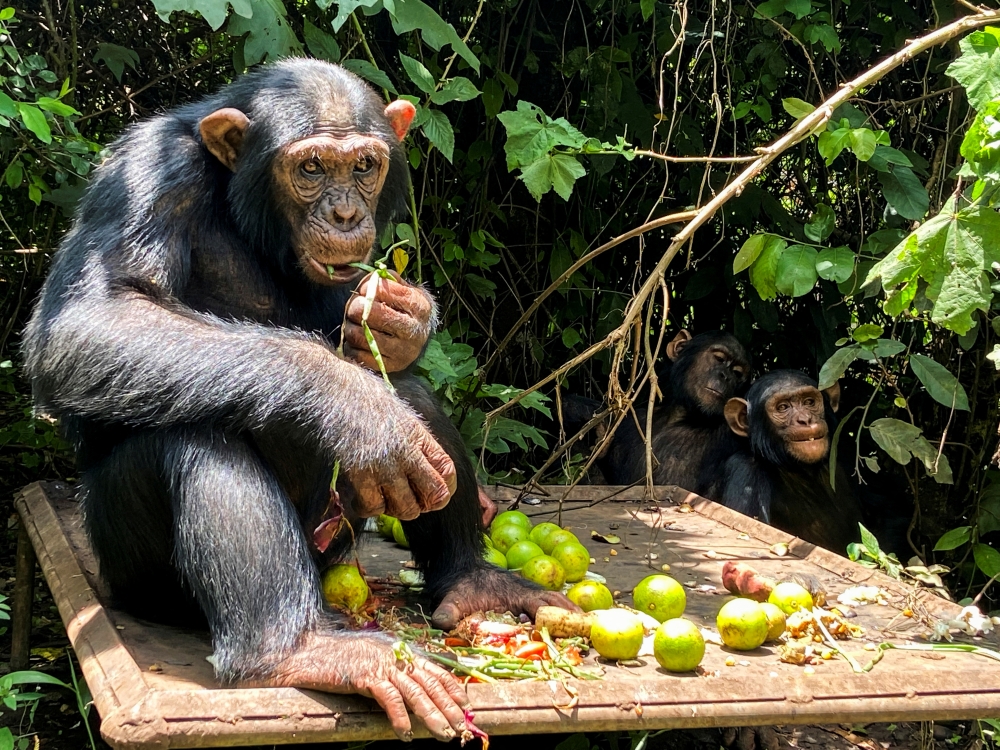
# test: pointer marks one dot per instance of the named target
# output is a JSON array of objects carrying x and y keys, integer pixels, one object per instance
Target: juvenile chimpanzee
[
  {"x": 783, "y": 476},
  {"x": 690, "y": 439},
  {"x": 186, "y": 338}
]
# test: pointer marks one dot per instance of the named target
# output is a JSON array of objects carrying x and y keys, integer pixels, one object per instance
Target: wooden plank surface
[{"x": 179, "y": 704}]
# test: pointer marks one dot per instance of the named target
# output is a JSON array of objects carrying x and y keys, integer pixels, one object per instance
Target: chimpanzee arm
[{"x": 747, "y": 489}]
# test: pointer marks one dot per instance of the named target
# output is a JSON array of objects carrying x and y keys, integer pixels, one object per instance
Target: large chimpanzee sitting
[
  {"x": 783, "y": 476},
  {"x": 185, "y": 338},
  {"x": 690, "y": 439}
]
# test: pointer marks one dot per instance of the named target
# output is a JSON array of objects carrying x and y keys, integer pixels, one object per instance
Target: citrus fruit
[
  {"x": 660, "y": 596},
  {"x": 544, "y": 571},
  {"x": 591, "y": 595},
  {"x": 487, "y": 541},
  {"x": 399, "y": 535},
  {"x": 506, "y": 536},
  {"x": 553, "y": 540},
  {"x": 344, "y": 586},
  {"x": 574, "y": 558},
  {"x": 520, "y": 553},
  {"x": 495, "y": 557},
  {"x": 616, "y": 634},
  {"x": 678, "y": 645},
  {"x": 384, "y": 524},
  {"x": 742, "y": 624},
  {"x": 542, "y": 530},
  {"x": 511, "y": 516},
  {"x": 789, "y": 597},
  {"x": 775, "y": 620}
]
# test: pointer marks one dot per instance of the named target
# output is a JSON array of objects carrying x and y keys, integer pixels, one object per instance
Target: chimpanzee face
[
  {"x": 717, "y": 376},
  {"x": 798, "y": 420}
]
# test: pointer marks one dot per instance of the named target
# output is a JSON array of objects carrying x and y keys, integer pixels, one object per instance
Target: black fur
[
  {"x": 193, "y": 365},
  {"x": 764, "y": 481}
]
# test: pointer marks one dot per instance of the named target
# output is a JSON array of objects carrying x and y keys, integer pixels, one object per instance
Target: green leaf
[
  {"x": 867, "y": 332},
  {"x": 953, "y": 539},
  {"x": 570, "y": 337},
  {"x": 34, "y": 121},
  {"x": 896, "y": 438},
  {"x": 942, "y": 386},
  {"x": 750, "y": 251},
  {"x": 764, "y": 269},
  {"x": 821, "y": 224},
  {"x": 14, "y": 175},
  {"x": 346, "y": 7},
  {"x": 798, "y": 8},
  {"x": 116, "y": 58},
  {"x": 492, "y": 97},
  {"x": 33, "y": 678},
  {"x": 531, "y": 134},
  {"x": 6, "y": 14},
  {"x": 6, "y": 736},
  {"x": 886, "y": 155},
  {"x": 863, "y": 143},
  {"x": 835, "y": 264},
  {"x": 987, "y": 559},
  {"x": 835, "y": 367},
  {"x": 796, "y": 271},
  {"x": 797, "y": 108},
  {"x": 435, "y": 359},
  {"x": 420, "y": 76},
  {"x": 456, "y": 90},
  {"x": 7, "y": 106},
  {"x": 556, "y": 172},
  {"x": 870, "y": 542},
  {"x": 55, "y": 106},
  {"x": 825, "y": 35},
  {"x": 267, "y": 33},
  {"x": 369, "y": 72},
  {"x": 439, "y": 132},
  {"x": 320, "y": 44},
  {"x": 832, "y": 142},
  {"x": 889, "y": 348},
  {"x": 646, "y": 7},
  {"x": 905, "y": 192},
  {"x": 411, "y": 15},
  {"x": 481, "y": 287},
  {"x": 213, "y": 11},
  {"x": 978, "y": 67}
]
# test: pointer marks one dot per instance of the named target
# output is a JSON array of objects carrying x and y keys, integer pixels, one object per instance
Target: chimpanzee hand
[
  {"x": 497, "y": 590},
  {"x": 400, "y": 320},
  {"x": 421, "y": 480},
  {"x": 366, "y": 664}
]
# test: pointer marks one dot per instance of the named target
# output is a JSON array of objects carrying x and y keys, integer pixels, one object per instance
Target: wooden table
[{"x": 154, "y": 688}]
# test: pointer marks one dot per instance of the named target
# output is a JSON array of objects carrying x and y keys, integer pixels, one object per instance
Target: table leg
[{"x": 24, "y": 595}]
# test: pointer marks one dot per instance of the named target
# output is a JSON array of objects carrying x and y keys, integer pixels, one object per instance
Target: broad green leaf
[
  {"x": 870, "y": 542},
  {"x": 14, "y": 175},
  {"x": 419, "y": 74},
  {"x": 410, "y": 15},
  {"x": 492, "y": 97},
  {"x": 832, "y": 142},
  {"x": 762, "y": 108},
  {"x": 32, "y": 678},
  {"x": 889, "y": 348},
  {"x": 531, "y": 134},
  {"x": 987, "y": 559},
  {"x": 553, "y": 172},
  {"x": 481, "y": 287},
  {"x": 268, "y": 35},
  {"x": 797, "y": 108},
  {"x": 905, "y": 192},
  {"x": 534, "y": 400},
  {"x": 902, "y": 441},
  {"x": 764, "y": 270},
  {"x": 346, "y": 7},
  {"x": 6, "y": 14},
  {"x": 750, "y": 251},
  {"x": 886, "y": 155},
  {"x": 863, "y": 143},
  {"x": 796, "y": 271},
  {"x": 867, "y": 332},
  {"x": 835, "y": 367},
  {"x": 434, "y": 358},
  {"x": 798, "y": 8},
  {"x": 369, "y": 72},
  {"x": 825, "y": 35},
  {"x": 35, "y": 121},
  {"x": 213, "y": 11},
  {"x": 835, "y": 264},
  {"x": 6, "y": 739},
  {"x": 821, "y": 224},
  {"x": 570, "y": 337},
  {"x": 978, "y": 67},
  {"x": 647, "y": 6},
  {"x": 321, "y": 45},
  {"x": 439, "y": 132},
  {"x": 116, "y": 58},
  {"x": 942, "y": 386},
  {"x": 55, "y": 106},
  {"x": 7, "y": 106},
  {"x": 456, "y": 90},
  {"x": 953, "y": 539}
]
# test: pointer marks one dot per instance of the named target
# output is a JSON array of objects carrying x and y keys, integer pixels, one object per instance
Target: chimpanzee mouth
[
  {"x": 337, "y": 273},
  {"x": 711, "y": 390}
]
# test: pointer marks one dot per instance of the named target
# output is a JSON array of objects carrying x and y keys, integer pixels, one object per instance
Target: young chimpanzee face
[
  {"x": 708, "y": 370},
  {"x": 797, "y": 418}
]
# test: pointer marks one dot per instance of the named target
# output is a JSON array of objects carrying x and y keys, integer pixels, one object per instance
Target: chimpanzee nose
[{"x": 344, "y": 216}]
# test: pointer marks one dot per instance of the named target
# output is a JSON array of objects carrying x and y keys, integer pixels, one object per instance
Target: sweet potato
[
  {"x": 742, "y": 580},
  {"x": 561, "y": 623}
]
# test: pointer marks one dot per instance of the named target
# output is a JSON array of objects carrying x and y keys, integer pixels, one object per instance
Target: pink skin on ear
[{"x": 400, "y": 114}]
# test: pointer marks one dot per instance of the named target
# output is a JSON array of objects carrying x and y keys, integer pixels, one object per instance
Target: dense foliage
[{"x": 541, "y": 134}]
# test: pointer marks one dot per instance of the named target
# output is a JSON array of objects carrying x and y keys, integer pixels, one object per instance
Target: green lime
[
  {"x": 678, "y": 645},
  {"x": 511, "y": 516},
  {"x": 590, "y": 595},
  {"x": 554, "y": 539},
  {"x": 775, "y": 620},
  {"x": 507, "y": 535},
  {"x": 544, "y": 571},
  {"x": 495, "y": 557},
  {"x": 399, "y": 535},
  {"x": 660, "y": 596},
  {"x": 384, "y": 524},
  {"x": 541, "y": 531},
  {"x": 616, "y": 634},
  {"x": 742, "y": 624},
  {"x": 789, "y": 597},
  {"x": 520, "y": 553},
  {"x": 574, "y": 558},
  {"x": 345, "y": 587}
]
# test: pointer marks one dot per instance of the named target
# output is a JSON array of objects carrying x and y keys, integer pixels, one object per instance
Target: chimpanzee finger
[
  {"x": 431, "y": 489},
  {"x": 552, "y": 599},
  {"x": 407, "y": 298},
  {"x": 421, "y": 703},
  {"x": 397, "y": 353},
  {"x": 446, "y": 678},
  {"x": 439, "y": 460},
  {"x": 392, "y": 702},
  {"x": 385, "y": 319},
  {"x": 368, "y": 501},
  {"x": 448, "y": 612},
  {"x": 400, "y": 501},
  {"x": 435, "y": 688}
]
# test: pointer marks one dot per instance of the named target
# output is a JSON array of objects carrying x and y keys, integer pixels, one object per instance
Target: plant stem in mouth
[{"x": 330, "y": 271}]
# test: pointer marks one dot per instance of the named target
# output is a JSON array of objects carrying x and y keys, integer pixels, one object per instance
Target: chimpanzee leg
[{"x": 447, "y": 544}]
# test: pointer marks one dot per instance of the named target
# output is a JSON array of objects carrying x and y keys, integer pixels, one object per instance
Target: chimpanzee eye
[
  {"x": 364, "y": 165},
  {"x": 738, "y": 370},
  {"x": 311, "y": 167},
  {"x": 783, "y": 406},
  {"x": 720, "y": 357},
  {"x": 809, "y": 402}
]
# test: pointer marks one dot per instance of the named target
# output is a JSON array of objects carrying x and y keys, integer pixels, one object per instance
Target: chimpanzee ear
[
  {"x": 400, "y": 114},
  {"x": 833, "y": 393},
  {"x": 222, "y": 133},
  {"x": 679, "y": 342},
  {"x": 737, "y": 416}
]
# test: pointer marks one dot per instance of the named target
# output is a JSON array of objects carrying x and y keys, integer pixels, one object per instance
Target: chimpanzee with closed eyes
[
  {"x": 186, "y": 339},
  {"x": 782, "y": 477},
  {"x": 690, "y": 438}
]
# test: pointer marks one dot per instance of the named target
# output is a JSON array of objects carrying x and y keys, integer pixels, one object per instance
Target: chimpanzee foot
[
  {"x": 497, "y": 590},
  {"x": 750, "y": 738}
]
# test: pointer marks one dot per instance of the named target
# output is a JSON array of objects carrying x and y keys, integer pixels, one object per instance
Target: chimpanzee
[
  {"x": 690, "y": 438},
  {"x": 185, "y": 338},
  {"x": 783, "y": 476}
]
